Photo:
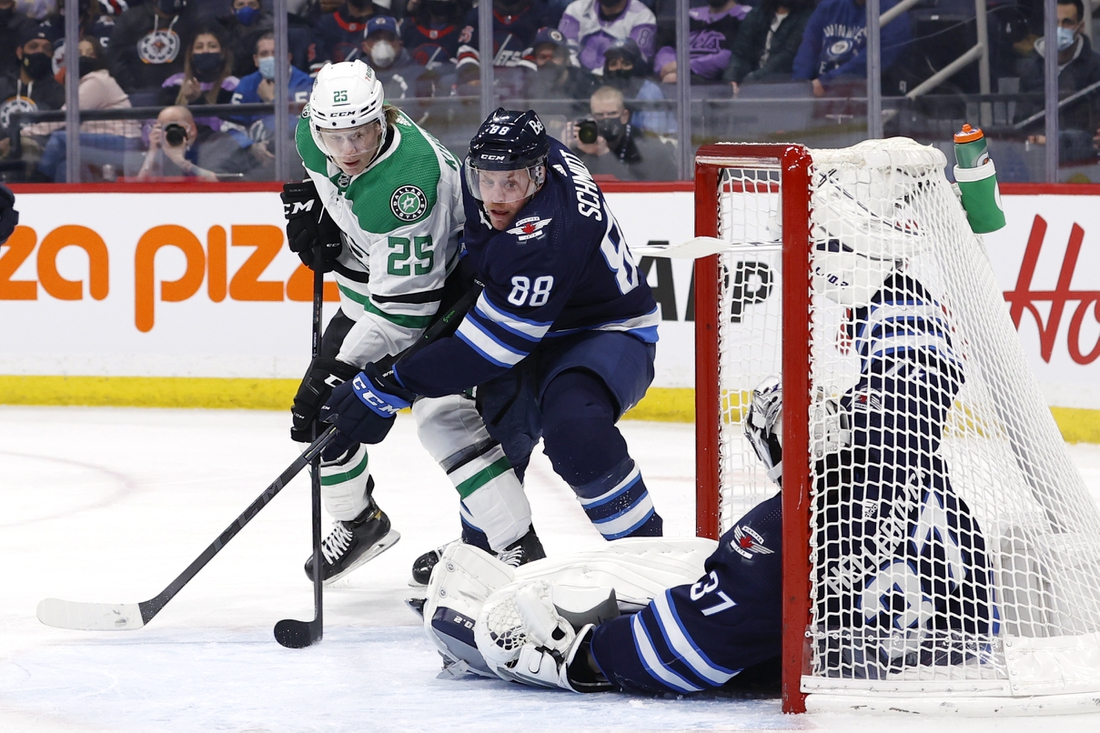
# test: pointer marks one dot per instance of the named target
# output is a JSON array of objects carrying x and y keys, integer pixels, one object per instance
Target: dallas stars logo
[{"x": 408, "y": 203}]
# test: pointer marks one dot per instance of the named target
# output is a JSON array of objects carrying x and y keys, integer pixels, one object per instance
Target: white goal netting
[{"x": 953, "y": 546}]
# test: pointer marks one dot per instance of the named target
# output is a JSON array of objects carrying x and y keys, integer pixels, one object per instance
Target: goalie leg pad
[{"x": 461, "y": 582}]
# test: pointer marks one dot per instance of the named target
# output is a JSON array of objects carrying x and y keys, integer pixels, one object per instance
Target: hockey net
[{"x": 940, "y": 550}]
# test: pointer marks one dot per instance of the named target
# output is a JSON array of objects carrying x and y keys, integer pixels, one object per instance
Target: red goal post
[{"x": 1013, "y": 629}]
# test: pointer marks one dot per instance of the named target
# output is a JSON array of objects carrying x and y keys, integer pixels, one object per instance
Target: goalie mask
[
  {"x": 348, "y": 115},
  {"x": 507, "y": 158},
  {"x": 863, "y": 226}
]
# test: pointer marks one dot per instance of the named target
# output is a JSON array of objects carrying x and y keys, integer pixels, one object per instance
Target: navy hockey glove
[
  {"x": 363, "y": 409},
  {"x": 324, "y": 374},
  {"x": 310, "y": 231},
  {"x": 764, "y": 424},
  {"x": 9, "y": 217}
]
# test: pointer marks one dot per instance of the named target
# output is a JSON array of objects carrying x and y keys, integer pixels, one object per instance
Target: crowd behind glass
[{"x": 185, "y": 89}]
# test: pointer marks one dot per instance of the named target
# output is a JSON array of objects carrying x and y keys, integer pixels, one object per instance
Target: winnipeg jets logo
[
  {"x": 408, "y": 203},
  {"x": 748, "y": 542},
  {"x": 159, "y": 47},
  {"x": 529, "y": 228}
]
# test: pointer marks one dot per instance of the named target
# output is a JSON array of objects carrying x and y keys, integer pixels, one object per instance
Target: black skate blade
[
  {"x": 294, "y": 634},
  {"x": 417, "y": 605}
]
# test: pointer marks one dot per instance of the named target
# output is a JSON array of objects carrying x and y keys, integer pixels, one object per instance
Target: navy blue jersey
[
  {"x": 562, "y": 268},
  {"x": 431, "y": 46},
  {"x": 513, "y": 37},
  {"x": 901, "y": 554}
]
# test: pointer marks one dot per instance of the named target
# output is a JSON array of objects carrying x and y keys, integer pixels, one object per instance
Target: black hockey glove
[
  {"x": 9, "y": 217},
  {"x": 363, "y": 409},
  {"x": 763, "y": 426},
  {"x": 310, "y": 231},
  {"x": 324, "y": 374}
]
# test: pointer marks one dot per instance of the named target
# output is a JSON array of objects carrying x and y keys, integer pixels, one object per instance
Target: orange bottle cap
[{"x": 969, "y": 134}]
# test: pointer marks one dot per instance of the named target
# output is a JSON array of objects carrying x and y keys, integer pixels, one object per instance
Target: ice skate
[
  {"x": 350, "y": 544},
  {"x": 522, "y": 551}
]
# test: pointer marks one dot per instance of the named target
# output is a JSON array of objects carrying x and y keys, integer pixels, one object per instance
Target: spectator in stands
[
  {"x": 12, "y": 26},
  {"x": 256, "y": 132},
  {"x": 147, "y": 47},
  {"x": 92, "y": 23},
  {"x": 102, "y": 142},
  {"x": 33, "y": 89},
  {"x": 207, "y": 76},
  {"x": 624, "y": 69},
  {"x": 515, "y": 25},
  {"x": 178, "y": 146},
  {"x": 245, "y": 22},
  {"x": 1078, "y": 68},
  {"x": 834, "y": 44},
  {"x": 338, "y": 34},
  {"x": 621, "y": 149},
  {"x": 556, "y": 77},
  {"x": 767, "y": 42},
  {"x": 431, "y": 32},
  {"x": 591, "y": 26},
  {"x": 713, "y": 28}
]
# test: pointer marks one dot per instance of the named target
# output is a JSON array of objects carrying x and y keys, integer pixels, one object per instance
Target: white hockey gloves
[
  {"x": 523, "y": 638},
  {"x": 763, "y": 426}
]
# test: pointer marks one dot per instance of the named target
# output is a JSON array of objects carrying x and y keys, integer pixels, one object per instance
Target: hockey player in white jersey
[{"x": 382, "y": 209}]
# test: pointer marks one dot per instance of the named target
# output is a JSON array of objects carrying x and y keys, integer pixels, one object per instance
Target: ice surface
[{"x": 109, "y": 505}]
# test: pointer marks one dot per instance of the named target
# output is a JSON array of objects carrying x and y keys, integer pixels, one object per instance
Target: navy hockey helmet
[{"x": 509, "y": 140}]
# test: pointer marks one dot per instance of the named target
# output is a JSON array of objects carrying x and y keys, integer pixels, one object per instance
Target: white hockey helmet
[
  {"x": 345, "y": 95},
  {"x": 864, "y": 224}
]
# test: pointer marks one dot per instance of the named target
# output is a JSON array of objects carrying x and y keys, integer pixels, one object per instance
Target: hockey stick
[
  {"x": 290, "y": 632},
  {"x": 125, "y": 616},
  {"x": 119, "y": 616}
]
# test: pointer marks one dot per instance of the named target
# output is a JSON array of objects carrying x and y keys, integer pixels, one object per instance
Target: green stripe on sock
[
  {"x": 483, "y": 477},
  {"x": 339, "y": 478}
]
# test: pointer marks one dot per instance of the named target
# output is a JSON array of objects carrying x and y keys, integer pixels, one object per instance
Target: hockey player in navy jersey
[
  {"x": 904, "y": 564},
  {"x": 561, "y": 341}
]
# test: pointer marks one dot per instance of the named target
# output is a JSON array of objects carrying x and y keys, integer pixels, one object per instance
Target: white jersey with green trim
[{"x": 400, "y": 218}]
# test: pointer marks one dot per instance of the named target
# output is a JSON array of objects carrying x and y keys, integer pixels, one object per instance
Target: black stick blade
[{"x": 294, "y": 634}]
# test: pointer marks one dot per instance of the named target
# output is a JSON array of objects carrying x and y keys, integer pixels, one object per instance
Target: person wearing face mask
[
  {"x": 557, "y": 78},
  {"x": 206, "y": 77},
  {"x": 406, "y": 83},
  {"x": 12, "y": 26},
  {"x": 621, "y": 149},
  {"x": 92, "y": 23},
  {"x": 338, "y": 34},
  {"x": 102, "y": 142},
  {"x": 33, "y": 89},
  {"x": 1078, "y": 67},
  {"x": 259, "y": 87},
  {"x": 431, "y": 33},
  {"x": 245, "y": 21},
  {"x": 148, "y": 46},
  {"x": 591, "y": 26},
  {"x": 713, "y": 27},
  {"x": 625, "y": 70}
]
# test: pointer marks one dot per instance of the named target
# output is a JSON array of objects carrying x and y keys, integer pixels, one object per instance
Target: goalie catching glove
[
  {"x": 310, "y": 231},
  {"x": 363, "y": 409},
  {"x": 523, "y": 638}
]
